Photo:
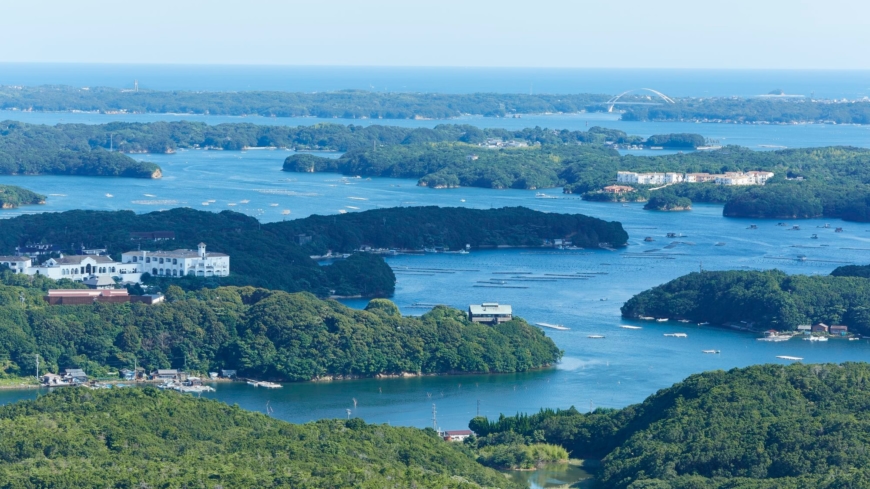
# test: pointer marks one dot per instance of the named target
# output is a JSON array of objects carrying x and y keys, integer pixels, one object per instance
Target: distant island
[
  {"x": 746, "y": 428},
  {"x": 772, "y": 108},
  {"x": 12, "y": 197},
  {"x": 758, "y": 300},
  {"x": 148, "y": 438}
]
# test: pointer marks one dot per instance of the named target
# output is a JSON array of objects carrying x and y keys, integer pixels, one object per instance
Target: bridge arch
[{"x": 610, "y": 103}]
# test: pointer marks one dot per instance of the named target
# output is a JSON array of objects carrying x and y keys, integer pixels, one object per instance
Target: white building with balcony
[{"x": 178, "y": 263}]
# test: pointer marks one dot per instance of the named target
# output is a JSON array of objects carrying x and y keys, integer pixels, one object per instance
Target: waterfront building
[
  {"x": 490, "y": 312},
  {"x": 804, "y": 328},
  {"x": 727, "y": 178},
  {"x": 17, "y": 264},
  {"x": 839, "y": 330},
  {"x": 820, "y": 328},
  {"x": 618, "y": 189},
  {"x": 178, "y": 263}
]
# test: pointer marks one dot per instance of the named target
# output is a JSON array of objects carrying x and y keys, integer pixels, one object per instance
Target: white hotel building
[
  {"x": 178, "y": 263},
  {"x": 728, "y": 178},
  {"x": 133, "y": 264}
]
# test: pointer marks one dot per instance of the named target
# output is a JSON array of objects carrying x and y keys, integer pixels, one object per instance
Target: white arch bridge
[{"x": 615, "y": 100}]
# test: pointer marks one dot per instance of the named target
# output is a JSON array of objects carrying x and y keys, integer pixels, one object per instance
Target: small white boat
[
  {"x": 816, "y": 338},
  {"x": 244, "y": 201},
  {"x": 285, "y": 212},
  {"x": 662, "y": 320},
  {"x": 253, "y": 383},
  {"x": 205, "y": 203},
  {"x": 786, "y": 357},
  {"x": 596, "y": 336},
  {"x": 342, "y": 211},
  {"x": 775, "y": 338},
  {"x": 273, "y": 205},
  {"x": 683, "y": 320},
  {"x": 677, "y": 335},
  {"x": 553, "y": 326},
  {"x": 149, "y": 195},
  {"x": 232, "y": 204},
  {"x": 461, "y": 200},
  {"x": 646, "y": 318},
  {"x": 710, "y": 351},
  {"x": 625, "y": 326},
  {"x": 703, "y": 324},
  {"x": 269, "y": 385},
  {"x": 212, "y": 201},
  {"x": 541, "y": 195},
  {"x": 854, "y": 338},
  {"x": 109, "y": 195},
  {"x": 357, "y": 198},
  {"x": 352, "y": 207}
]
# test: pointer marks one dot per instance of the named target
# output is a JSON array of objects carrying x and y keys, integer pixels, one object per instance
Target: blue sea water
[
  {"x": 679, "y": 83},
  {"x": 623, "y": 368}
]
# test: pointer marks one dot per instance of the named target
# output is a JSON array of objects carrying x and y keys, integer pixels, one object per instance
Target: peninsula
[
  {"x": 12, "y": 197},
  {"x": 744, "y": 428},
  {"x": 758, "y": 300},
  {"x": 260, "y": 333}
]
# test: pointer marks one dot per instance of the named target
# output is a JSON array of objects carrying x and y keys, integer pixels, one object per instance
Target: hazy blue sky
[{"x": 580, "y": 33}]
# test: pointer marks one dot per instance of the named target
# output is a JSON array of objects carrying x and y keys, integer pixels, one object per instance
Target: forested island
[
  {"x": 451, "y": 228},
  {"x": 761, "y": 427},
  {"x": 809, "y": 182},
  {"x": 771, "y": 109},
  {"x": 12, "y": 197},
  {"x": 361, "y": 104},
  {"x": 758, "y": 300},
  {"x": 167, "y": 137},
  {"x": 261, "y": 333},
  {"x": 258, "y": 249},
  {"x": 147, "y": 438}
]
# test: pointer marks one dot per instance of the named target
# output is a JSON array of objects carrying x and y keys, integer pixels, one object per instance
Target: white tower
[{"x": 202, "y": 250}]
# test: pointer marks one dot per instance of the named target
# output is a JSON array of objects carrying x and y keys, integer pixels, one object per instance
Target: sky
[{"x": 753, "y": 34}]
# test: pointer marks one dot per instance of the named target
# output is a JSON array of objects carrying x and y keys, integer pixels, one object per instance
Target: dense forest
[
  {"x": 451, "y": 227},
  {"x": 769, "y": 299},
  {"x": 162, "y": 137},
  {"x": 753, "y": 110},
  {"x": 256, "y": 250},
  {"x": 346, "y": 104},
  {"x": 76, "y": 438},
  {"x": 852, "y": 271},
  {"x": 261, "y": 333},
  {"x": 761, "y": 427},
  {"x": 12, "y": 197}
]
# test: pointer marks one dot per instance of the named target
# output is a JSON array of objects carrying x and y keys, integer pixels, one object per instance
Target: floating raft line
[{"x": 502, "y": 286}]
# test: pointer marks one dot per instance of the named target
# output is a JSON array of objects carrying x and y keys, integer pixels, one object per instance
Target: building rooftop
[
  {"x": 78, "y": 259},
  {"x": 488, "y": 308},
  {"x": 14, "y": 258},
  {"x": 87, "y": 293},
  {"x": 175, "y": 254}
]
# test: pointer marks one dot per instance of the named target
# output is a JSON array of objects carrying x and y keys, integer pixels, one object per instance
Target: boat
[
  {"x": 357, "y": 198},
  {"x": 205, "y": 203},
  {"x": 342, "y": 211},
  {"x": 231, "y": 204},
  {"x": 553, "y": 326},
  {"x": 786, "y": 357},
  {"x": 649, "y": 239},
  {"x": 541, "y": 195},
  {"x": 854, "y": 338},
  {"x": 603, "y": 299},
  {"x": 461, "y": 200},
  {"x": 815, "y": 236},
  {"x": 816, "y": 338},
  {"x": 662, "y": 320},
  {"x": 596, "y": 336},
  {"x": 710, "y": 351},
  {"x": 109, "y": 195},
  {"x": 677, "y": 335},
  {"x": 646, "y": 318},
  {"x": 838, "y": 230},
  {"x": 253, "y": 383},
  {"x": 625, "y": 326},
  {"x": 269, "y": 385},
  {"x": 795, "y": 228},
  {"x": 703, "y": 324},
  {"x": 775, "y": 338},
  {"x": 244, "y": 201},
  {"x": 149, "y": 195},
  {"x": 752, "y": 226},
  {"x": 683, "y": 320},
  {"x": 212, "y": 201},
  {"x": 352, "y": 207},
  {"x": 273, "y": 205}
]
